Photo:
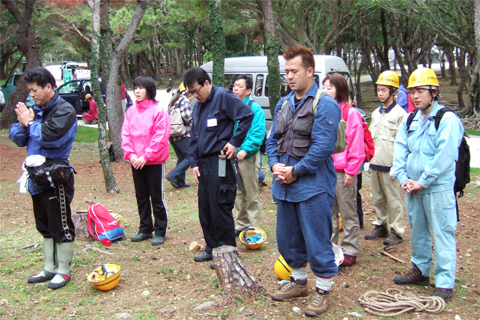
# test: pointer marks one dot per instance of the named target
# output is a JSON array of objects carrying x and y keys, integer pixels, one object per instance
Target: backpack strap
[
  {"x": 410, "y": 118},
  {"x": 250, "y": 103}
]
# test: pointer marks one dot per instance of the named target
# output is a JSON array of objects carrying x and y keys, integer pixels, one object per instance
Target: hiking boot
[
  {"x": 141, "y": 236},
  {"x": 202, "y": 257},
  {"x": 173, "y": 183},
  {"x": 443, "y": 293},
  {"x": 412, "y": 276},
  {"x": 392, "y": 239},
  {"x": 291, "y": 290},
  {"x": 378, "y": 232},
  {"x": 348, "y": 260},
  {"x": 319, "y": 303},
  {"x": 158, "y": 240},
  {"x": 43, "y": 276}
]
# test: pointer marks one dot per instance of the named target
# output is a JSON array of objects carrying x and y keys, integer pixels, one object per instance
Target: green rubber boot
[
  {"x": 50, "y": 265},
  {"x": 65, "y": 256}
]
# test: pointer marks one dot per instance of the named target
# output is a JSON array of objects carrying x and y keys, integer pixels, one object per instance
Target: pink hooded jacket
[
  {"x": 351, "y": 160},
  {"x": 145, "y": 132}
]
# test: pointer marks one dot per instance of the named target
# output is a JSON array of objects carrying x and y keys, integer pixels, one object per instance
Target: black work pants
[
  {"x": 148, "y": 183},
  {"x": 53, "y": 216},
  {"x": 216, "y": 199}
]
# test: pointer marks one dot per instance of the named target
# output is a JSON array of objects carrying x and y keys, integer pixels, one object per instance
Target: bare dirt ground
[{"x": 165, "y": 283}]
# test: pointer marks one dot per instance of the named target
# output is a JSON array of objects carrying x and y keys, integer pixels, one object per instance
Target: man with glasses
[
  {"x": 424, "y": 164},
  {"x": 212, "y": 133}
]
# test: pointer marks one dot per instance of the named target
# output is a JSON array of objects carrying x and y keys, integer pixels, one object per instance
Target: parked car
[
  {"x": 8, "y": 88},
  {"x": 256, "y": 69},
  {"x": 75, "y": 91}
]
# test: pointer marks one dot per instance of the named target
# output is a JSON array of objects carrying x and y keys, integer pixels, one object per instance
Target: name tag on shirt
[{"x": 212, "y": 122}]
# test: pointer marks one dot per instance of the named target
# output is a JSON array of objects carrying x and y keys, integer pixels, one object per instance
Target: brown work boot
[
  {"x": 319, "y": 303},
  {"x": 378, "y": 232},
  {"x": 291, "y": 290},
  {"x": 443, "y": 293},
  {"x": 392, "y": 239},
  {"x": 412, "y": 276}
]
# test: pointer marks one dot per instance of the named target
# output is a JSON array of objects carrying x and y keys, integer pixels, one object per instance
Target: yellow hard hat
[
  {"x": 182, "y": 87},
  {"x": 88, "y": 96},
  {"x": 282, "y": 270},
  {"x": 423, "y": 77},
  {"x": 388, "y": 78},
  {"x": 252, "y": 231},
  {"x": 105, "y": 277}
]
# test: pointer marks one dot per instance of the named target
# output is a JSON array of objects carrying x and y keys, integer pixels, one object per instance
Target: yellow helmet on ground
[
  {"x": 258, "y": 237},
  {"x": 105, "y": 277},
  {"x": 423, "y": 77},
  {"x": 282, "y": 270},
  {"x": 388, "y": 78}
]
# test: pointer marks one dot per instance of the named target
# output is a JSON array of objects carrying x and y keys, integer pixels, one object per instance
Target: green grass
[
  {"x": 474, "y": 170},
  {"x": 472, "y": 132},
  {"x": 86, "y": 134}
]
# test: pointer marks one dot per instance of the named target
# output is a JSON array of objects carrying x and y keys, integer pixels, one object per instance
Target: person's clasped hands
[{"x": 137, "y": 162}]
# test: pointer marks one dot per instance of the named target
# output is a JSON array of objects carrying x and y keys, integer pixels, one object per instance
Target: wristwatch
[
  {"x": 29, "y": 123},
  {"x": 294, "y": 173}
]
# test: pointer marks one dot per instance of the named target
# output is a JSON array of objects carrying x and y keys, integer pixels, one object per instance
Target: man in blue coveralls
[
  {"x": 214, "y": 117},
  {"x": 299, "y": 151},
  {"x": 424, "y": 165}
]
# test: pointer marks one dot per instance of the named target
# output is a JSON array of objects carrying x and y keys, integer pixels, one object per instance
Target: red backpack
[
  {"x": 107, "y": 228},
  {"x": 367, "y": 135}
]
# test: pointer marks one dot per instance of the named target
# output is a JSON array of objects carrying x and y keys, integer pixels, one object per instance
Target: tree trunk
[
  {"x": 80, "y": 221},
  {"x": 110, "y": 182},
  {"x": 475, "y": 74},
  {"x": 114, "y": 103},
  {"x": 463, "y": 77},
  {"x": 272, "y": 48},
  {"x": 232, "y": 275},
  {"x": 218, "y": 40},
  {"x": 28, "y": 44},
  {"x": 451, "y": 64}
]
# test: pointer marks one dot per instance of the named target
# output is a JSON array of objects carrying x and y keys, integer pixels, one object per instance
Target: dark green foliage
[
  {"x": 218, "y": 43},
  {"x": 272, "y": 49}
]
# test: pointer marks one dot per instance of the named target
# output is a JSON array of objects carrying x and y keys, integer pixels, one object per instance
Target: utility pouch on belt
[
  {"x": 222, "y": 165},
  {"x": 51, "y": 173}
]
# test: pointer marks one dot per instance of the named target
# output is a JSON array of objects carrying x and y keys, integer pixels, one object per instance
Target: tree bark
[
  {"x": 80, "y": 220},
  {"x": 218, "y": 40},
  {"x": 232, "y": 275},
  {"x": 28, "y": 44},
  {"x": 110, "y": 182},
  {"x": 475, "y": 75},
  {"x": 114, "y": 103},
  {"x": 272, "y": 48}
]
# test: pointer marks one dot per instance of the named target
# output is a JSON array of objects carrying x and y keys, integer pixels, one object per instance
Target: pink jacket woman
[
  {"x": 352, "y": 158},
  {"x": 145, "y": 132}
]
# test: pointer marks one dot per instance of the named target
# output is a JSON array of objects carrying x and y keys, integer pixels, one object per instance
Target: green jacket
[{"x": 256, "y": 133}]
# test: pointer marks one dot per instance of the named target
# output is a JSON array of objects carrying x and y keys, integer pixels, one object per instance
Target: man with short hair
[
  {"x": 424, "y": 164},
  {"x": 300, "y": 148},
  {"x": 212, "y": 133},
  {"x": 248, "y": 202},
  {"x": 48, "y": 129},
  {"x": 386, "y": 193}
]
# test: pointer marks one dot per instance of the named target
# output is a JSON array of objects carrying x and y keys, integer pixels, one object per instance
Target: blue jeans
[
  {"x": 303, "y": 234},
  {"x": 261, "y": 175},
  {"x": 177, "y": 175}
]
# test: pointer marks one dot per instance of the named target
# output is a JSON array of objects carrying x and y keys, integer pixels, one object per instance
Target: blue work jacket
[
  {"x": 51, "y": 135},
  {"x": 316, "y": 171},
  {"x": 428, "y": 155}
]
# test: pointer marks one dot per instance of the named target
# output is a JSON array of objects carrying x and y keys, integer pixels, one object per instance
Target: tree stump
[
  {"x": 231, "y": 273},
  {"x": 81, "y": 227}
]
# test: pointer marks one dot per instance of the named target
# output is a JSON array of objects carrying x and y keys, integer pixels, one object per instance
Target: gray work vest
[{"x": 295, "y": 130}]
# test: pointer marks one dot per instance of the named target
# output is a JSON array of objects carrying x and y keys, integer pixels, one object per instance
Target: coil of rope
[{"x": 393, "y": 303}]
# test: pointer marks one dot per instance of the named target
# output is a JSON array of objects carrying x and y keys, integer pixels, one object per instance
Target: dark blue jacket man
[
  {"x": 214, "y": 117},
  {"x": 48, "y": 130}
]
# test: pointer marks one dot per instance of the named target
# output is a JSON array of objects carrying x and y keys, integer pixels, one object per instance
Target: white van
[{"x": 256, "y": 69}]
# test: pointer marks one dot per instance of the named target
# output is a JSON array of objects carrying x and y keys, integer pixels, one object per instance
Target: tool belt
[{"x": 51, "y": 173}]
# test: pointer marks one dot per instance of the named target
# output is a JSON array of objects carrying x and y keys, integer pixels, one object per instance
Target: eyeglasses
[{"x": 195, "y": 92}]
